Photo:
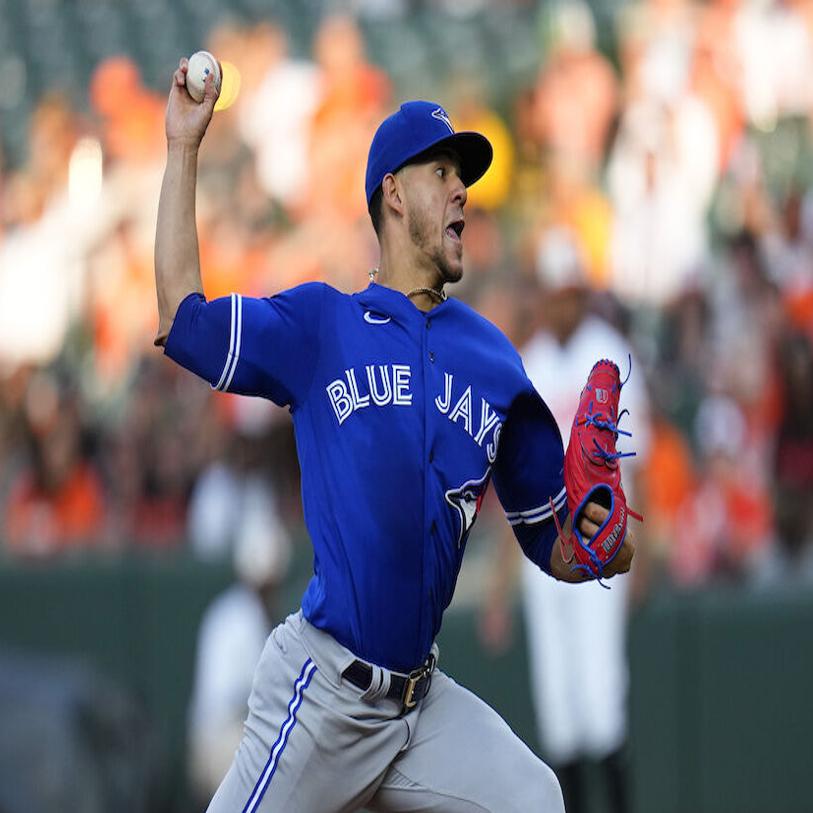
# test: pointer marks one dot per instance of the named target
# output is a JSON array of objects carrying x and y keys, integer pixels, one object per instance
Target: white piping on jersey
[
  {"x": 534, "y": 515},
  {"x": 267, "y": 775},
  {"x": 234, "y": 351},
  {"x": 239, "y": 333}
]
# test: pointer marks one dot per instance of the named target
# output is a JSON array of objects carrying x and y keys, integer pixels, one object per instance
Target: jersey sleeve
[
  {"x": 252, "y": 346},
  {"x": 529, "y": 475}
]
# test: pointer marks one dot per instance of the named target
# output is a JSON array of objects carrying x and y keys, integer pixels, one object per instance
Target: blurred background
[{"x": 653, "y": 171}]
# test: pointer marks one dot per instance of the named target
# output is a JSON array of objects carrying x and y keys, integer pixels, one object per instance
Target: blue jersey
[{"x": 401, "y": 418}]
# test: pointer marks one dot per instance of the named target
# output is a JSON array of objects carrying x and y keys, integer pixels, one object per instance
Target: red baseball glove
[{"x": 592, "y": 473}]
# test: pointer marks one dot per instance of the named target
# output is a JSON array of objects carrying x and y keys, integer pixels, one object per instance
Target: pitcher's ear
[{"x": 391, "y": 194}]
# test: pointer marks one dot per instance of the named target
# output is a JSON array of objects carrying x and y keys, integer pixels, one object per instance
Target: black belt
[{"x": 407, "y": 690}]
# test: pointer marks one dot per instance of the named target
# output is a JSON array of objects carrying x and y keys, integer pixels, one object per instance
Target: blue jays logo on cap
[
  {"x": 443, "y": 116},
  {"x": 413, "y": 129}
]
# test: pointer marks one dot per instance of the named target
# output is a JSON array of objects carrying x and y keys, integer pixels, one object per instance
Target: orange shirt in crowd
[
  {"x": 669, "y": 475},
  {"x": 71, "y": 517}
]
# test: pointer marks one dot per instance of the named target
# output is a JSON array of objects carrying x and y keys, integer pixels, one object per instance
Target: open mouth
[{"x": 455, "y": 229}]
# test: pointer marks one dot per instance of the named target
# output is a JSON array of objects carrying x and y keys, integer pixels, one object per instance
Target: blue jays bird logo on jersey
[{"x": 467, "y": 500}]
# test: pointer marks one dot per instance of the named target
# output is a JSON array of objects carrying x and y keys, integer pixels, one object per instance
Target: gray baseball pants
[{"x": 314, "y": 743}]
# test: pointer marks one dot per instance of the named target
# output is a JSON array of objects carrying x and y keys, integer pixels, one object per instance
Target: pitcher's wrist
[{"x": 183, "y": 145}]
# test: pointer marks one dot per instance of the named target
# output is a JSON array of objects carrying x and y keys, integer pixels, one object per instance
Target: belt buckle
[
  {"x": 414, "y": 678},
  {"x": 412, "y": 681}
]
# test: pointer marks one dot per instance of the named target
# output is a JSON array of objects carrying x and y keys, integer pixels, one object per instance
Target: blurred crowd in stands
[{"x": 679, "y": 164}]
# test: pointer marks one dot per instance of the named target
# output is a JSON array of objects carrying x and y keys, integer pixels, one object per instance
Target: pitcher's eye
[{"x": 440, "y": 172}]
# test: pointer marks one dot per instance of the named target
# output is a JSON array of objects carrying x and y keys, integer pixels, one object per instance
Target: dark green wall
[
  {"x": 721, "y": 709},
  {"x": 135, "y": 620}
]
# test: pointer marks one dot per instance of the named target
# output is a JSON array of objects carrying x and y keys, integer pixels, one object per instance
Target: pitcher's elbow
[{"x": 164, "y": 326}]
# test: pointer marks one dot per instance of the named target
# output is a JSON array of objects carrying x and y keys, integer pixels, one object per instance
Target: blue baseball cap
[{"x": 412, "y": 130}]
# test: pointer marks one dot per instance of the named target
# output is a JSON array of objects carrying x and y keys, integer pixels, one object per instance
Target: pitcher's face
[{"x": 435, "y": 196}]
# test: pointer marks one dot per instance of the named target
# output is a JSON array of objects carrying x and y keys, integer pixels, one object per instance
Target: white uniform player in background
[
  {"x": 576, "y": 638},
  {"x": 231, "y": 512}
]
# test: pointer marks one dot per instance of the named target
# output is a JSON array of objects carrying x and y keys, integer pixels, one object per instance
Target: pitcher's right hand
[{"x": 186, "y": 119}]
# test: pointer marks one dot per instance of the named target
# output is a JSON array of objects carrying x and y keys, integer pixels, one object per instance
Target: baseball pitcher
[{"x": 406, "y": 404}]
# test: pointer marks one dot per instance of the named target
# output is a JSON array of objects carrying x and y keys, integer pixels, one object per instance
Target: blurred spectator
[
  {"x": 747, "y": 322},
  {"x": 352, "y": 100},
  {"x": 660, "y": 177},
  {"x": 121, "y": 292},
  {"x": 716, "y": 72},
  {"x": 683, "y": 352},
  {"x": 41, "y": 256},
  {"x": 233, "y": 498},
  {"x": 56, "y": 503},
  {"x": 280, "y": 142},
  {"x": 726, "y": 523},
  {"x": 791, "y": 559},
  {"x": 151, "y": 457},
  {"x": 787, "y": 249},
  {"x": 776, "y": 57},
  {"x": 668, "y": 481},
  {"x": 528, "y": 171},
  {"x": 13, "y": 386},
  {"x": 486, "y": 256},
  {"x": 665, "y": 159},
  {"x": 236, "y": 624},
  {"x": 132, "y": 116},
  {"x": 576, "y": 91},
  {"x": 574, "y": 201},
  {"x": 655, "y": 42},
  {"x": 54, "y": 130}
]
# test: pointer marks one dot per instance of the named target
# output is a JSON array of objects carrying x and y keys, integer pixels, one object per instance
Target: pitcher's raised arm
[{"x": 177, "y": 263}]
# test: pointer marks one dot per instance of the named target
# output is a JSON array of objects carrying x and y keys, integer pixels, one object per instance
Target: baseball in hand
[{"x": 201, "y": 64}]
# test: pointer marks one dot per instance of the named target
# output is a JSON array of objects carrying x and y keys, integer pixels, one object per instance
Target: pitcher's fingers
[
  {"x": 179, "y": 77},
  {"x": 595, "y": 512},
  {"x": 587, "y": 526},
  {"x": 210, "y": 92}
]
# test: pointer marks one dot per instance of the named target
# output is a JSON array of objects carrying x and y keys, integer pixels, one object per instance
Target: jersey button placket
[
  {"x": 429, "y": 440},
  {"x": 431, "y": 355}
]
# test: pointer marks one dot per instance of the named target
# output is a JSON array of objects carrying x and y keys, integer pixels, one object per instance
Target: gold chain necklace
[{"x": 439, "y": 296}]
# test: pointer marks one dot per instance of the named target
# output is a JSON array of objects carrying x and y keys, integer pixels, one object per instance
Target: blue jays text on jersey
[{"x": 401, "y": 418}]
